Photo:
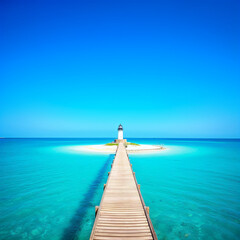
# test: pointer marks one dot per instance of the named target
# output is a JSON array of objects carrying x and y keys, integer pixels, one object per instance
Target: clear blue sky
[{"x": 79, "y": 68}]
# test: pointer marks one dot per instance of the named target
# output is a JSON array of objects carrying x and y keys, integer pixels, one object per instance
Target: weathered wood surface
[{"x": 122, "y": 213}]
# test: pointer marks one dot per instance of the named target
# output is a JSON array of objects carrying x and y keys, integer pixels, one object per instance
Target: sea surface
[{"x": 49, "y": 191}]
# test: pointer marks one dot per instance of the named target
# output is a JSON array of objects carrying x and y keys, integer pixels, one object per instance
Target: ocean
[{"x": 49, "y": 191}]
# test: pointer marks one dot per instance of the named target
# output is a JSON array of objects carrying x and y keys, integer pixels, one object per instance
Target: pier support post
[
  {"x": 147, "y": 209},
  {"x": 96, "y": 210}
]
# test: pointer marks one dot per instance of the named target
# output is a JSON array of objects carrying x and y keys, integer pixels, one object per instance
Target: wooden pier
[{"x": 122, "y": 213}]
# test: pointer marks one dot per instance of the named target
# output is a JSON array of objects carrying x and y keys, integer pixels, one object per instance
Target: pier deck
[{"x": 122, "y": 213}]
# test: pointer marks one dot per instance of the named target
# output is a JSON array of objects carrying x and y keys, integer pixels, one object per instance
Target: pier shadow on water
[{"x": 77, "y": 220}]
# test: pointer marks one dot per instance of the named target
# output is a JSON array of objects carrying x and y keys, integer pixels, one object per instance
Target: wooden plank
[{"x": 122, "y": 213}]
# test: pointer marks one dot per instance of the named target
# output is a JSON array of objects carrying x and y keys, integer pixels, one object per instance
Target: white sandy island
[{"x": 141, "y": 148}]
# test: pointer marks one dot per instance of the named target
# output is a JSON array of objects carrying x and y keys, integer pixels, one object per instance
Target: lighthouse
[
  {"x": 120, "y": 132},
  {"x": 120, "y": 135}
]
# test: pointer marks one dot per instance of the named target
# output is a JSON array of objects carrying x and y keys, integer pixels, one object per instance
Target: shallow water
[{"x": 48, "y": 191}]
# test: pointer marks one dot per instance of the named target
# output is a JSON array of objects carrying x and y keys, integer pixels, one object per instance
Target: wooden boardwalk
[{"x": 122, "y": 213}]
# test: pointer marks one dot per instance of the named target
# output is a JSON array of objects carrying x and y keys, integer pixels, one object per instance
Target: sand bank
[{"x": 143, "y": 148}]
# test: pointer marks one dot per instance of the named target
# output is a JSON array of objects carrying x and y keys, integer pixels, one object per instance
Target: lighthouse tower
[
  {"x": 120, "y": 132},
  {"x": 120, "y": 135}
]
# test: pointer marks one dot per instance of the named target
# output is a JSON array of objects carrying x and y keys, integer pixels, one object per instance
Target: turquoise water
[{"x": 48, "y": 191}]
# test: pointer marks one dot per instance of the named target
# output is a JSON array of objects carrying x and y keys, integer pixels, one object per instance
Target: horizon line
[{"x": 230, "y": 138}]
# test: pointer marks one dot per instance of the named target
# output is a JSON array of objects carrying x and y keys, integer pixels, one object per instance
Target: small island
[{"x": 130, "y": 147}]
